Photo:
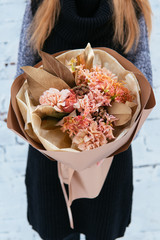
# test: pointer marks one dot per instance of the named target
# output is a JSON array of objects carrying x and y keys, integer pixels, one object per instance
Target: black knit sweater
[{"x": 80, "y": 22}]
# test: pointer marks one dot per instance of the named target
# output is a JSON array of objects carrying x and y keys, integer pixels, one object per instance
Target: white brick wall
[{"x": 13, "y": 150}]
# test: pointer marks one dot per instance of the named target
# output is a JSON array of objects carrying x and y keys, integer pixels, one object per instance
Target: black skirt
[{"x": 102, "y": 218}]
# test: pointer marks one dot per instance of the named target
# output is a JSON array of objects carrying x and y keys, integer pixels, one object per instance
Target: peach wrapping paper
[{"x": 79, "y": 169}]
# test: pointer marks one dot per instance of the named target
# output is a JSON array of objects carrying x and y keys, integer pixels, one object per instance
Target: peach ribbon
[{"x": 70, "y": 174}]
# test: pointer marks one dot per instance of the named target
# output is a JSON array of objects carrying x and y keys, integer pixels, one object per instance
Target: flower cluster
[
  {"x": 87, "y": 133},
  {"x": 95, "y": 90},
  {"x": 104, "y": 88},
  {"x": 106, "y": 82}
]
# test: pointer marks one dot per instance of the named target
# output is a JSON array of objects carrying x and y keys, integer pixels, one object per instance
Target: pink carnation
[
  {"x": 90, "y": 138},
  {"x": 87, "y": 104},
  {"x": 62, "y": 101},
  {"x": 92, "y": 101},
  {"x": 50, "y": 97}
]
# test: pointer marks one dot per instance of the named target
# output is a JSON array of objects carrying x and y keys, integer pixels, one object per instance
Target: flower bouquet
[{"x": 80, "y": 107}]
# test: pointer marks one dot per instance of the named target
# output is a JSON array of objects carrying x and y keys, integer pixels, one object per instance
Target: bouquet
[{"x": 80, "y": 108}]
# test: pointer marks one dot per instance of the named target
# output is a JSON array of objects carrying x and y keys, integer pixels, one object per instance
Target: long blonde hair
[{"x": 125, "y": 22}]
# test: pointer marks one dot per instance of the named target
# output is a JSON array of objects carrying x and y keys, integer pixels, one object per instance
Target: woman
[{"x": 69, "y": 24}]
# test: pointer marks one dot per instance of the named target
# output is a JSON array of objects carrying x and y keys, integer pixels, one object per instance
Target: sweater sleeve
[
  {"x": 26, "y": 55},
  {"x": 141, "y": 57}
]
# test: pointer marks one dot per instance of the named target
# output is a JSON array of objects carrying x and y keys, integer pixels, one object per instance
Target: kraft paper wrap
[{"x": 80, "y": 170}]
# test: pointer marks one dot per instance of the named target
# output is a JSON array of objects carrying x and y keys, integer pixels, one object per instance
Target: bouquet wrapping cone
[{"x": 86, "y": 171}]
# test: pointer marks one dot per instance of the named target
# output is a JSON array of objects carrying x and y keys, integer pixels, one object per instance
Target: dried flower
[
  {"x": 102, "y": 115},
  {"x": 81, "y": 90}
]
